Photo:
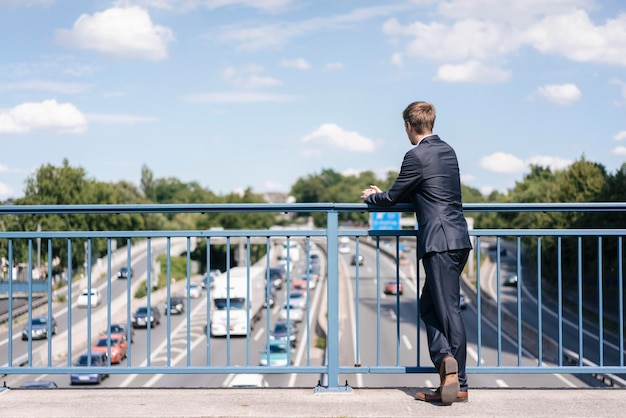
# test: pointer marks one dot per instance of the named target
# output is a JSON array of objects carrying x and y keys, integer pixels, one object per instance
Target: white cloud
[
  {"x": 334, "y": 136},
  {"x": 397, "y": 60},
  {"x": 561, "y": 94},
  {"x": 554, "y": 163},
  {"x": 50, "y": 86},
  {"x": 576, "y": 37},
  {"x": 467, "y": 178},
  {"x": 118, "y": 33},
  {"x": 43, "y": 116},
  {"x": 248, "y": 77},
  {"x": 273, "y": 35},
  {"x": 236, "y": 97},
  {"x": 473, "y": 72},
  {"x": 274, "y": 186},
  {"x": 500, "y": 162},
  {"x": 6, "y": 191},
  {"x": 621, "y": 135},
  {"x": 462, "y": 41},
  {"x": 518, "y": 12},
  {"x": 621, "y": 151},
  {"x": 332, "y": 66},
  {"x": 187, "y": 5},
  {"x": 298, "y": 64},
  {"x": 486, "y": 190},
  {"x": 120, "y": 119}
]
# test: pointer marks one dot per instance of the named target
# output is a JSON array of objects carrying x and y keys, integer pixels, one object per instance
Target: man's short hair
[{"x": 421, "y": 116}]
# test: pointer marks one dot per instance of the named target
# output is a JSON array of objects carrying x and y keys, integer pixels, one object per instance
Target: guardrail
[{"x": 552, "y": 349}]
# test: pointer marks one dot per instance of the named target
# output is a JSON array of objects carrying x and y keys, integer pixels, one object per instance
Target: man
[{"x": 429, "y": 179}]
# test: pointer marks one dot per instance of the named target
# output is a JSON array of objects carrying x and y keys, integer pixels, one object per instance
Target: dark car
[
  {"x": 284, "y": 330},
  {"x": 124, "y": 273},
  {"x": 176, "y": 305},
  {"x": 121, "y": 329},
  {"x": 277, "y": 275},
  {"x": 98, "y": 359},
  {"x": 357, "y": 260},
  {"x": 145, "y": 314},
  {"x": 39, "y": 327}
]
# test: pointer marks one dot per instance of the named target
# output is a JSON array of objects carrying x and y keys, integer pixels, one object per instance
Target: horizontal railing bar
[{"x": 300, "y": 207}]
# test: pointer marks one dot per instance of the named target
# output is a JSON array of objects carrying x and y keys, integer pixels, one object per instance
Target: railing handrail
[{"x": 298, "y": 207}]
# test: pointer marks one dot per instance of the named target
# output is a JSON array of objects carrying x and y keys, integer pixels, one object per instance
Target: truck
[{"x": 232, "y": 302}]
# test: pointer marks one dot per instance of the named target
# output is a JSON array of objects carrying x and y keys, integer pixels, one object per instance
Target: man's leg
[{"x": 440, "y": 310}]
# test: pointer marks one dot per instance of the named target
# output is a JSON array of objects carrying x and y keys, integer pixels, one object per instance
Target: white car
[
  {"x": 84, "y": 300},
  {"x": 295, "y": 314},
  {"x": 195, "y": 290},
  {"x": 344, "y": 248}
]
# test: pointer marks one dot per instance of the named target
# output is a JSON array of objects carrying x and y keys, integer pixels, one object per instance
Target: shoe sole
[{"x": 450, "y": 386}]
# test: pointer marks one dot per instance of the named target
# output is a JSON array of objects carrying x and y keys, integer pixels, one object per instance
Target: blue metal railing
[{"x": 551, "y": 322}]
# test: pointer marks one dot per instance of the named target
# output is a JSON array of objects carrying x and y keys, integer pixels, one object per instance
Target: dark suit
[{"x": 429, "y": 179}]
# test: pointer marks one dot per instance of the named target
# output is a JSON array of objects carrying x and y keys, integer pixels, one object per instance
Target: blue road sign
[{"x": 385, "y": 220}]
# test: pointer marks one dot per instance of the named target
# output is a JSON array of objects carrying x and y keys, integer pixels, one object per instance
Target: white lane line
[
  {"x": 429, "y": 383},
  {"x": 501, "y": 383},
  {"x": 259, "y": 334},
  {"x": 392, "y": 314},
  {"x": 130, "y": 378},
  {"x": 351, "y": 309},
  {"x": 406, "y": 342},
  {"x": 473, "y": 354}
]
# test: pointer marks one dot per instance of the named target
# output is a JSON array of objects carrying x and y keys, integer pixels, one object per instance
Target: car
[
  {"x": 39, "y": 327},
  {"x": 249, "y": 380},
  {"x": 176, "y": 305},
  {"x": 285, "y": 331},
  {"x": 121, "y": 329},
  {"x": 510, "y": 280},
  {"x": 344, "y": 248},
  {"x": 298, "y": 299},
  {"x": 39, "y": 384},
  {"x": 294, "y": 312},
  {"x": 140, "y": 317},
  {"x": 277, "y": 353},
  {"x": 84, "y": 300},
  {"x": 98, "y": 359},
  {"x": 462, "y": 301},
  {"x": 208, "y": 278},
  {"x": 119, "y": 347},
  {"x": 392, "y": 288},
  {"x": 299, "y": 286},
  {"x": 311, "y": 278},
  {"x": 354, "y": 259},
  {"x": 125, "y": 273},
  {"x": 194, "y": 291},
  {"x": 270, "y": 296},
  {"x": 276, "y": 275}
]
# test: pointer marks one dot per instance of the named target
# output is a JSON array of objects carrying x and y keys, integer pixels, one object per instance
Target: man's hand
[{"x": 370, "y": 190}]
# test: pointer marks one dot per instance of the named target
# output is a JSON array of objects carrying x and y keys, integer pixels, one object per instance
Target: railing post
[{"x": 332, "y": 310}]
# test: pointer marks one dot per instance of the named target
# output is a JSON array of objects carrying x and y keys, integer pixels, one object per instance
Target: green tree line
[{"x": 583, "y": 181}]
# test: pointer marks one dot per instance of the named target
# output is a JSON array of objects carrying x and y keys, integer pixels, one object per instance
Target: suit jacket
[{"x": 429, "y": 179}]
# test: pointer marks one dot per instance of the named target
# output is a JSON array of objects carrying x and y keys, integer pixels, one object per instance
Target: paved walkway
[{"x": 299, "y": 402}]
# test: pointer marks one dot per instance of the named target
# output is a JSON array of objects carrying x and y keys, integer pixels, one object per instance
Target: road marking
[
  {"x": 501, "y": 383},
  {"x": 392, "y": 314},
  {"x": 259, "y": 334},
  {"x": 406, "y": 342},
  {"x": 473, "y": 354},
  {"x": 429, "y": 383}
]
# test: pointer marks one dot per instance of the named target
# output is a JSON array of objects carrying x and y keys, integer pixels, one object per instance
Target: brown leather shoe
[
  {"x": 449, "y": 374},
  {"x": 435, "y": 397}
]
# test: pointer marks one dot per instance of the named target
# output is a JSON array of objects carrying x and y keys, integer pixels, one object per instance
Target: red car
[
  {"x": 119, "y": 347},
  {"x": 392, "y": 288}
]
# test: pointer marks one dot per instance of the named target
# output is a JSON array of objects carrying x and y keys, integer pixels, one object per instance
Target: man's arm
[{"x": 400, "y": 192}]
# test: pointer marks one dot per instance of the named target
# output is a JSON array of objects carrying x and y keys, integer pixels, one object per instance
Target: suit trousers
[{"x": 440, "y": 310}]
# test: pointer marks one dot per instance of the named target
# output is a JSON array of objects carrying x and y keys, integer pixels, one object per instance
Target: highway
[{"x": 391, "y": 339}]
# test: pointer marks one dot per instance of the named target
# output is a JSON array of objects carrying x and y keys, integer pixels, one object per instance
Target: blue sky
[{"x": 258, "y": 93}]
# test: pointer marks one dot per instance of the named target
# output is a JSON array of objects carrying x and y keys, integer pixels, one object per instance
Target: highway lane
[{"x": 399, "y": 343}]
